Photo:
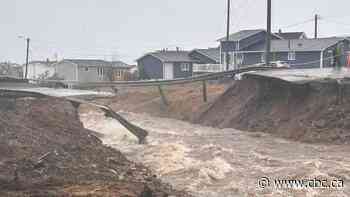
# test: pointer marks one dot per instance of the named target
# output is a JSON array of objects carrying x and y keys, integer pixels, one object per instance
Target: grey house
[
  {"x": 165, "y": 65},
  {"x": 84, "y": 70},
  {"x": 248, "y": 47},
  {"x": 9, "y": 69}
]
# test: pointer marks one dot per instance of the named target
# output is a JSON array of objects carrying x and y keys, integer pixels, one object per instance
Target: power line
[
  {"x": 336, "y": 22},
  {"x": 299, "y": 23}
]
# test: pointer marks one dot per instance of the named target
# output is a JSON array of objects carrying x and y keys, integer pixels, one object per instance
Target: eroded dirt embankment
[
  {"x": 317, "y": 111},
  {"x": 185, "y": 101},
  {"x": 46, "y": 151}
]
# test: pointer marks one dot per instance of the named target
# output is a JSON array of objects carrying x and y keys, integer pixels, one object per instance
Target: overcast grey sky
[{"x": 127, "y": 29}]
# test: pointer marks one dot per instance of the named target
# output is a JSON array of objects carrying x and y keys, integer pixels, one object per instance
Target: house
[
  {"x": 84, "y": 70},
  {"x": 11, "y": 70},
  {"x": 165, "y": 64},
  {"x": 39, "y": 69},
  {"x": 121, "y": 71},
  {"x": 247, "y": 47}
]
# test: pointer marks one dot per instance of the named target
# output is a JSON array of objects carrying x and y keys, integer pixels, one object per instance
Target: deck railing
[{"x": 208, "y": 68}]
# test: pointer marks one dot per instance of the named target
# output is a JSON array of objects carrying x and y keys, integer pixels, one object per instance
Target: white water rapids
[{"x": 211, "y": 162}]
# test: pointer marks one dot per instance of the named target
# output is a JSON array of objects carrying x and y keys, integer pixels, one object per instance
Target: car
[
  {"x": 280, "y": 64},
  {"x": 276, "y": 64}
]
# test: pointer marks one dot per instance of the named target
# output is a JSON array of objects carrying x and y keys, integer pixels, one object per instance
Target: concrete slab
[{"x": 305, "y": 75}]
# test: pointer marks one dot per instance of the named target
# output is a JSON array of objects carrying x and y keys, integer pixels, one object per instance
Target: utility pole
[
  {"x": 316, "y": 26},
  {"x": 268, "y": 36},
  {"x": 228, "y": 33},
  {"x": 27, "y": 58}
]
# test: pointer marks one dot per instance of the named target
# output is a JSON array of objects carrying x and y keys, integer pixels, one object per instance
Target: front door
[{"x": 168, "y": 71}]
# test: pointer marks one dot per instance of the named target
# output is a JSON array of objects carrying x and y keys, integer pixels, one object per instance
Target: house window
[
  {"x": 119, "y": 73},
  {"x": 262, "y": 57},
  {"x": 185, "y": 67},
  {"x": 332, "y": 56},
  {"x": 291, "y": 56},
  {"x": 240, "y": 58},
  {"x": 100, "y": 71}
]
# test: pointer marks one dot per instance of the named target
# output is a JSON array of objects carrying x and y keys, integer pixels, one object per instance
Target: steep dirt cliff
[{"x": 317, "y": 111}]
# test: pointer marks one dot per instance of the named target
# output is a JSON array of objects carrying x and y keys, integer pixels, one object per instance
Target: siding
[
  {"x": 91, "y": 75},
  {"x": 251, "y": 58},
  {"x": 312, "y": 57},
  {"x": 66, "y": 71},
  {"x": 181, "y": 74},
  {"x": 260, "y": 37},
  {"x": 301, "y": 58},
  {"x": 37, "y": 70}
]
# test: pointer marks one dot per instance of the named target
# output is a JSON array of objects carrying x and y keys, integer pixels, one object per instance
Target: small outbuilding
[{"x": 165, "y": 64}]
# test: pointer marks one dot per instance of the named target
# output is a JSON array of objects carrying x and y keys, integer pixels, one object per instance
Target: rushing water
[{"x": 224, "y": 162}]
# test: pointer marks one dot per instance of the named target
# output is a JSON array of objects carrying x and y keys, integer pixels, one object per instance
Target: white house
[{"x": 40, "y": 69}]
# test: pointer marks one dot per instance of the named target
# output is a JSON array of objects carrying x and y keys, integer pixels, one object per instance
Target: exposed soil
[
  {"x": 185, "y": 101},
  {"x": 45, "y": 151},
  {"x": 311, "y": 112}
]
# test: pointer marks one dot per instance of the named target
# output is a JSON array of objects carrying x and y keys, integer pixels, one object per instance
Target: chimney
[{"x": 280, "y": 31}]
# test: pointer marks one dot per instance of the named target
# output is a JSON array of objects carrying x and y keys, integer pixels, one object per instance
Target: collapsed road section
[{"x": 140, "y": 133}]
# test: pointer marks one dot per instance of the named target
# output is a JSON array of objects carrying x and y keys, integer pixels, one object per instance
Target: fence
[{"x": 208, "y": 68}]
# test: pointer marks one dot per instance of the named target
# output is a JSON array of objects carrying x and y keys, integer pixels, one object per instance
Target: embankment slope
[{"x": 317, "y": 111}]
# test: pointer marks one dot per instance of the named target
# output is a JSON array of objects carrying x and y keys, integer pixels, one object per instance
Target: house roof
[
  {"x": 13, "y": 65},
  {"x": 240, "y": 35},
  {"x": 291, "y": 35},
  {"x": 212, "y": 53},
  {"x": 300, "y": 44},
  {"x": 89, "y": 62},
  {"x": 120, "y": 64},
  {"x": 49, "y": 63},
  {"x": 171, "y": 56}
]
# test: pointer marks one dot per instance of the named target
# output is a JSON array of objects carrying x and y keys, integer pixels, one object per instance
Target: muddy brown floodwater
[{"x": 211, "y": 162}]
